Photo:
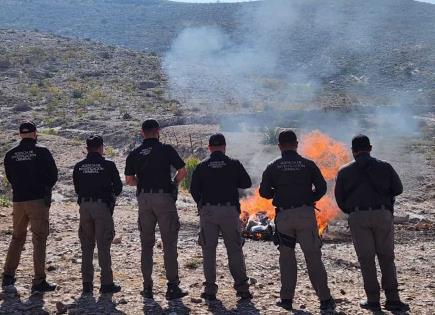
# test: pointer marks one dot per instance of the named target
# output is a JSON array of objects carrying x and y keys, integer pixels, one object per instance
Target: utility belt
[
  {"x": 291, "y": 207},
  {"x": 370, "y": 208},
  {"x": 90, "y": 199},
  {"x": 154, "y": 191},
  {"x": 220, "y": 204},
  {"x": 110, "y": 203}
]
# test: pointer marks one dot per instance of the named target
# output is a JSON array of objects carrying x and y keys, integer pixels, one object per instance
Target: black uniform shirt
[
  {"x": 355, "y": 189},
  {"x": 289, "y": 181},
  {"x": 217, "y": 179},
  {"x": 151, "y": 162},
  {"x": 96, "y": 177},
  {"x": 31, "y": 170}
]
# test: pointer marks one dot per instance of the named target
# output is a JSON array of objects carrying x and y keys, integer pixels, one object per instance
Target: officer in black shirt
[
  {"x": 366, "y": 189},
  {"x": 148, "y": 167},
  {"x": 214, "y": 187},
  {"x": 32, "y": 172},
  {"x": 96, "y": 182},
  {"x": 289, "y": 180}
]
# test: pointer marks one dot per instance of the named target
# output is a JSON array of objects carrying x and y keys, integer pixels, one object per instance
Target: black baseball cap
[
  {"x": 287, "y": 136},
  {"x": 94, "y": 141},
  {"x": 361, "y": 142},
  {"x": 150, "y": 124},
  {"x": 27, "y": 127},
  {"x": 216, "y": 140}
]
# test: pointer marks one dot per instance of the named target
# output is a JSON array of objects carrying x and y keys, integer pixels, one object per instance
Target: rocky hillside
[{"x": 79, "y": 86}]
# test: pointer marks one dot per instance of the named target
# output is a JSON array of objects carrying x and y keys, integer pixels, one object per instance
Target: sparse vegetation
[
  {"x": 191, "y": 164},
  {"x": 5, "y": 192},
  {"x": 110, "y": 151},
  {"x": 4, "y": 201},
  {"x": 193, "y": 264},
  {"x": 49, "y": 131}
]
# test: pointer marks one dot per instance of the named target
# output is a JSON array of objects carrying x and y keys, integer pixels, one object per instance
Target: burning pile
[{"x": 257, "y": 213}]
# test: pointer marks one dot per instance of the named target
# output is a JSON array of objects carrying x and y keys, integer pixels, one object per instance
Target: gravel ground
[{"x": 415, "y": 262}]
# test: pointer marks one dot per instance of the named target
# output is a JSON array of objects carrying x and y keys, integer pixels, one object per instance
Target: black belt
[
  {"x": 370, "y": 208},
  {"x": 90, "y": 199},
  {"x": 220, "y": 204},
  {"x": 155, "y": 191},
  {"x": 293, "y": 207}
]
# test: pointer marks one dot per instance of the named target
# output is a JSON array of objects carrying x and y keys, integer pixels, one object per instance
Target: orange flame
[{"x": 329, "y": 155}]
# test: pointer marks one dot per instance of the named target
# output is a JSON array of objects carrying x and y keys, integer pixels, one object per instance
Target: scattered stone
[
  {"x": 51, "y": 268},
  {"x": 144, "y": 85},
  {"x": 342, "y": 292},
  {"x": 117, "y": 240},
  {"x": 126, "y": 116},
  {"x": 196, "y": 300},
  {"x": 22, "y": 107},
  {"x": 122, "y": 301},
  {"x": 401, "y": 220},
  {"x": 252, "y": 281}
]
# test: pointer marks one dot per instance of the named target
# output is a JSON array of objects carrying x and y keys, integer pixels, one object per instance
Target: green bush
[
  {"x": 110, "y": 151},
  {"x": 191, "y": 164},
  {"x": 4, "y": 201}
]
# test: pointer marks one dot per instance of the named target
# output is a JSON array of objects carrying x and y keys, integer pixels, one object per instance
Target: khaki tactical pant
[
  {"x": 225, "y": 219},
  {"x": 96, "y": 224},
  {"x": 300, "y": 223},
  {"x": 37, "y": 213},
  {"x": 158, "y": 208},
  {"x": 373, "y": 235}
]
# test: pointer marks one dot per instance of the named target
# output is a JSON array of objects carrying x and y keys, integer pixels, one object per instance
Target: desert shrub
[
  {"x": 159, "y": 92},
  {"x": 4, "y": 201},
  {"x": 191, "y": 164},
  {"x": 5, "y": 63},
  {"x": 5, "y": 192},
  {"x": 110, "y": 151},
  {"x": 193, "y": 264},
  {"x": 77, "y": 94},
  {"x": 35, "y": 90},
  {"x": 49, "y": 131}
]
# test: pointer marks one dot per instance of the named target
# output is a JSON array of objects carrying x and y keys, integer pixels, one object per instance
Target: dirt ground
[{"x": 415, "y": 262}]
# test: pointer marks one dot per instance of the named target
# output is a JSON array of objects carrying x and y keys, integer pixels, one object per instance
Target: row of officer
[{"x": 365, "y": 188}]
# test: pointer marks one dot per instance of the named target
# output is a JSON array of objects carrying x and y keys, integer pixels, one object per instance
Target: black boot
[
  {"x": 285, "y": 304},
  {"x": 208, "y": 297},
  {"x": 175, "y": 292},
  {"x": 396, "y": 306},
  {"x": 327, "y": 305},
  {"x": 110, "y": 288},
  {"x": 42, "y": 287},
  {"x": 370, "y": 305},
  {"x": 88, "y": 287},
  {"x": 8, "y": 280},
  {"x": 147, "y": 293},
  {"x": 245, "y": 295}
]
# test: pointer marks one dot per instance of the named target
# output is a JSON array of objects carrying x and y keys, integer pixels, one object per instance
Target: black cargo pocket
[
  {"x": 317, "y": 239},
  {"x": 240, "y": 240},
  {"x": 175, "y": 223},
  {"x": 139, "y": 227},
  {"x": 109, "y": 235},
  {"x": 80, "y": 232},
  {"x": 201, "y": 237}
]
